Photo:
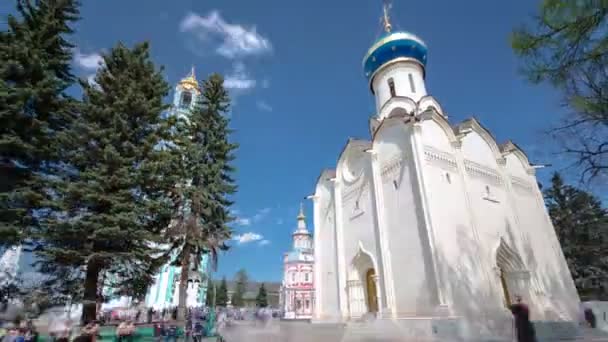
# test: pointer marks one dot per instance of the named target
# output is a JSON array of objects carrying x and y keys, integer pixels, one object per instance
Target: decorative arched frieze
[
  {"x": 441, "y": 159},
  {"x": 472, "y": 125},
  {"x": 481, "y": 171}
]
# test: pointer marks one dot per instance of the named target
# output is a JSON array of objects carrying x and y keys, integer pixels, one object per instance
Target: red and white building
[{"x": 298, "y": 280}]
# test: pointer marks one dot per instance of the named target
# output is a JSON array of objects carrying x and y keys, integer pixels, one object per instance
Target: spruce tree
[
  {"x": 240, "y": 287},
  {"x": 221, "y": 297},
  {"x": 581, "y": 225},
  {"x": 209, "y": 300},
  {"x": 112, "y": 205},
  {"x": 203, "y": 155},
  {"x": 35, "y": 62},
  {"x": 262, "y": 298}
]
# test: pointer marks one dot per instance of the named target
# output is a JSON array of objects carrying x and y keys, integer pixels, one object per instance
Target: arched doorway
[
  {"x": 513, "y": 274},
  {"x": 372, "y": 292},
  {"x": 362, "y": 285}
]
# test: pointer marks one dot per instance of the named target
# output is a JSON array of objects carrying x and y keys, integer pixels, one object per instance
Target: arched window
[
  {"x": 391, "y": 87},
  {"x": 186, "y": 99}
]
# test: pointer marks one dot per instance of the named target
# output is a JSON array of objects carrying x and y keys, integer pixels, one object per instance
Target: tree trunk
[
  {"x": 183, "y": 284},
  {"x": 89, "y": 302}
]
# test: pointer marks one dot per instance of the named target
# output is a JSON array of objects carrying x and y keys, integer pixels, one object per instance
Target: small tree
[
  {"x": 241, "y": 279},
  {"x": 222, "y": 294},
  {"x": 262, "y": 298},
  {"x": 581, "y": 225}
]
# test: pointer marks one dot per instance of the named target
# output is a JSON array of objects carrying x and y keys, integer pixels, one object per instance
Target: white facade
[
  {"x": 164, "y": 293},
  {"x": 432, "y": 222},
  {"x": 297, "y": 297},
  {"x": 9, "y": 264}
]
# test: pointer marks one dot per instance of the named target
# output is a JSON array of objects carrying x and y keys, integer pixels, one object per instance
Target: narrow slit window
[
  {"x": 412, "y": 86},
  {"x": 391, "y": 86}
]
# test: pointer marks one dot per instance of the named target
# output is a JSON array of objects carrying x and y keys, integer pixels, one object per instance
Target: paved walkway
[{"x": 286, "y": 331}]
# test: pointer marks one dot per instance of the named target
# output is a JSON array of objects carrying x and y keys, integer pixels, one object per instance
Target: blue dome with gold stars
[{"x": 392, "y": 46}]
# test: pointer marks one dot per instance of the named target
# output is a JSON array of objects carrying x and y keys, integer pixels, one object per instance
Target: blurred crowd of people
[{"x": 201, "y": 322}]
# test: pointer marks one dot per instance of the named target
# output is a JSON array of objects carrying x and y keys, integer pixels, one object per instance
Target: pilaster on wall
[
  {"x": 418, "y": 155},
  {"x": 317, "y": 275},
  {"x": 387, "y": 283},
  {"x": 342, "y": 272}
]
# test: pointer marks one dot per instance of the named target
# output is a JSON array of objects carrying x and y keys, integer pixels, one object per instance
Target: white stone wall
[
  {"x": 326, "y": 265},
  {"x": 358, "y": 215},
  {"x": 541, "y": 249},
  {"x": 410, "y": 281},
  {"x": 490, "y": 216},
  {"x": 440, "y": 213}
]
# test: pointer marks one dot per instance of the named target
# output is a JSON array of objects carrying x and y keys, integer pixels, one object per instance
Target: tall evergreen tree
[
  {"x": 240, "y": 287},
  {"x": 204, "y": 155},
  {"x": 568, "y": 47},
  {"x": 35, "y": 62},
  {"x": 262, "y": 298},
  {"x": 221, "y": 297},
  {"x": 112, "y": 205},
  {"x": 209, "y": 300},
  {"x": 581, "y": 225}
]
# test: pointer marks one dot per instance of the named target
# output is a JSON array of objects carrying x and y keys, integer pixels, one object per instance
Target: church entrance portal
[
  {"x": 512, "y": 273},
  {"x": 362, "y": 286},
  {"x": 372, "y": 294}
]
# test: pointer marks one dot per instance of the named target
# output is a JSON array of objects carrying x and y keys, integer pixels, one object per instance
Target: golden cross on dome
[{"x": 385, "y": 18}]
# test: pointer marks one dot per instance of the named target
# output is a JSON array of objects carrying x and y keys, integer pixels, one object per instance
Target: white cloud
[
  {"x": 243, "y": 221},
  {"x": 247, "y": 238},
  {"x": 263, "y": 106},
  {"x": 235, "y": 40},
  {"x": 261, "y": 214},
  {"x": 264, "y": 242},
  {"x": 238, "y": 78},
  {"x": 90, "y": 62}
]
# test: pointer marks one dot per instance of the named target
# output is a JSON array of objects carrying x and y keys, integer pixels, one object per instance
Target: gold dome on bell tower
[{"x": 190, "y": 82}]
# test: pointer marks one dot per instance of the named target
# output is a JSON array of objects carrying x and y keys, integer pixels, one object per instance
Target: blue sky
[{"x": 294, "y": 69}]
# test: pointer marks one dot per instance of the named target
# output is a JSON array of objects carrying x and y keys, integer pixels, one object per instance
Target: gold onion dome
[{"x": 189, "y": 82}]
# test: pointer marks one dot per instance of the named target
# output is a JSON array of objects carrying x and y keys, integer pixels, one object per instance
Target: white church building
[{"x": 432, "y": 224}]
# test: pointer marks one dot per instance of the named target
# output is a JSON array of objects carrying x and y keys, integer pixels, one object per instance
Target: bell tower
[{"x": 186, "y": 94}]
